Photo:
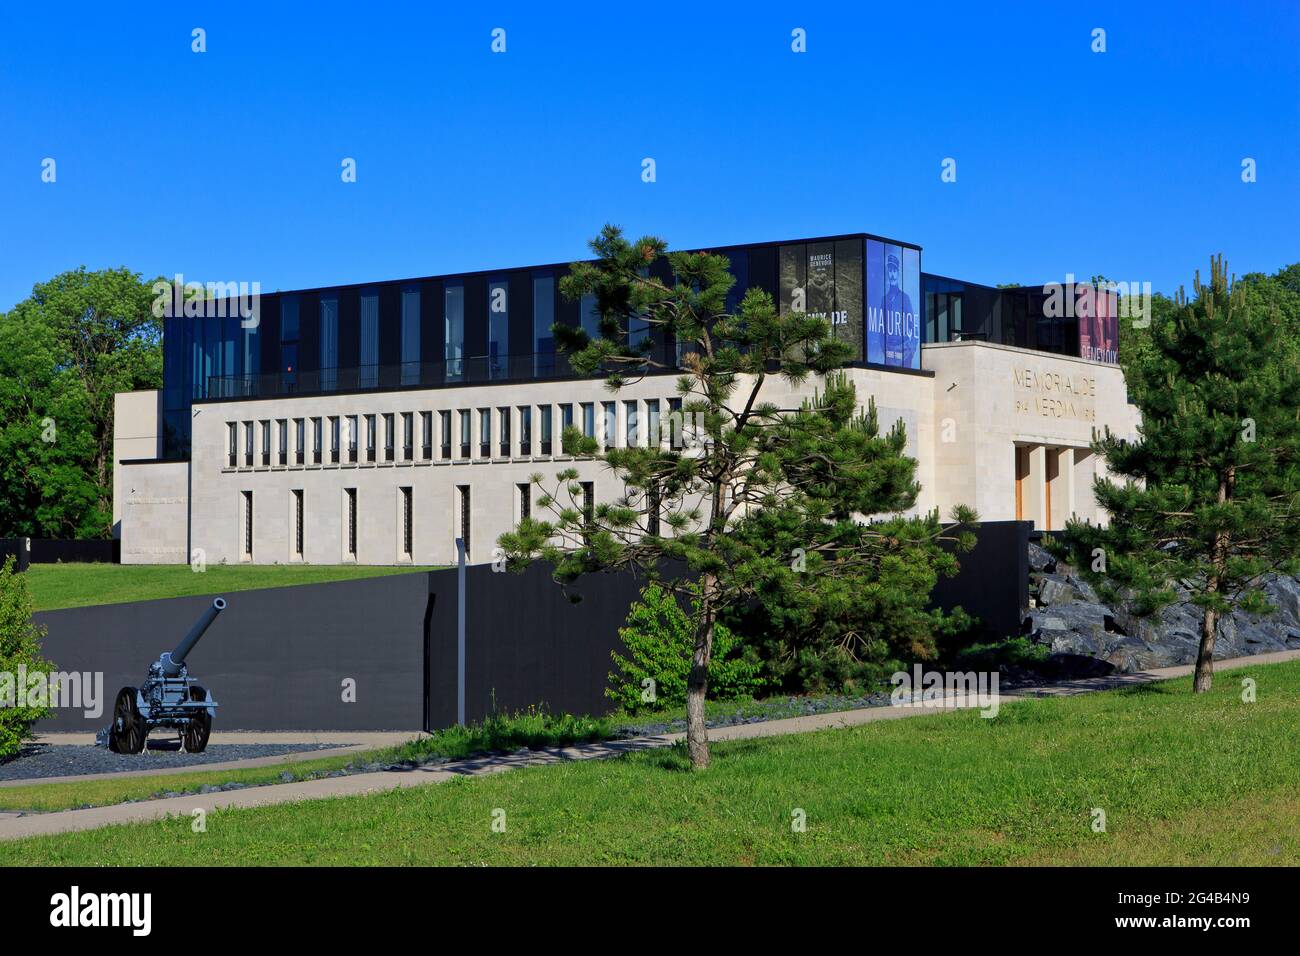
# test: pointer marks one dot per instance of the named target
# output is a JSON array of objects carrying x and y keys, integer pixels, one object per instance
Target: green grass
[
  {"x": 1183, "y": 779},
  {"x": 56, "y": 586},
  {"x": 533, "y": 728}
]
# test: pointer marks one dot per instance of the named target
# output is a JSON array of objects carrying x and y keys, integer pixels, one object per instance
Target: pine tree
[
  {"x": 750, "y": 495},
  {"x": 1210, "y": 501}
]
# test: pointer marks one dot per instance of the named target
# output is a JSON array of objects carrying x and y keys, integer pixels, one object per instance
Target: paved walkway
[{"x": 15, "y": 827}]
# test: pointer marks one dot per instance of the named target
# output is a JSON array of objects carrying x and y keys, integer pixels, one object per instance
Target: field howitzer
[{"x": 169, "y": 697}]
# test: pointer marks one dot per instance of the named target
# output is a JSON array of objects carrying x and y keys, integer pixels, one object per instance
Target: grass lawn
[
  {"x": 1182, "y": 779},
  {"x": 56, "y": 586}
]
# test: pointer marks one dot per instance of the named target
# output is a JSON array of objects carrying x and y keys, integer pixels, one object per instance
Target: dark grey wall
[
  {"x": 526, "y": 643},
  {"x": 275, "y": 659},
  {"x": 993, "y": 583},
  {"x": 54, "y": 550}
]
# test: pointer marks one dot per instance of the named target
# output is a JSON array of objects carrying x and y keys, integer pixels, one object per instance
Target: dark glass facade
[
  {"x": 496, "y": 325},
  {"x": 956, "y": 311}
]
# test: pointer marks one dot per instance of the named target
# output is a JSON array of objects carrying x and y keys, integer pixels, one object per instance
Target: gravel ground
[{"x": 36, "y": 761}]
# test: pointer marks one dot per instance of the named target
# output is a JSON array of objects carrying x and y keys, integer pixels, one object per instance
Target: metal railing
[{"x": 476, "y": 370}]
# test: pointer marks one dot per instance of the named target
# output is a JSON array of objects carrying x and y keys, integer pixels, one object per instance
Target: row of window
[
  {"x": 453, "y": 292},
  {"x": 391, "y": 437},
  {"x": 406, "y": 494}
]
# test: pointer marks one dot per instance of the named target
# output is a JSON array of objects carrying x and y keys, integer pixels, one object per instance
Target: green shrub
[
  {"x": 1015, "y": 651},
  {"x": 660, "y": 641},
  {"x": 533, "y": 728},
  {"x": 19, "y": 647}
]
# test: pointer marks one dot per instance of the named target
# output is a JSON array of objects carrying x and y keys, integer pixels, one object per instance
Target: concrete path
[
  {"x": 15, "y": 827},
  {"x": 358, "y": 742}
]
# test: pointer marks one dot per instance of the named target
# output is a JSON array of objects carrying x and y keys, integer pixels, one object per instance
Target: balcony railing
[{"x": 472, "y": 371}]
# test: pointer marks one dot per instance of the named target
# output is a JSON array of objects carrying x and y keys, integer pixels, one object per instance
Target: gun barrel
[{"x": 187, "y": 643}]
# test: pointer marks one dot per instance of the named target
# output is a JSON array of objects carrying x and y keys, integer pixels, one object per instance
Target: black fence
[
  {"x": 528, "y": 642},
  {"x": 30, "y": 551},
  {"x": 274, "y": 659},
  {"x": 18, "y": 549},
  {"x": 382, "y": 653},
  {"x": 993, "y": 583}
]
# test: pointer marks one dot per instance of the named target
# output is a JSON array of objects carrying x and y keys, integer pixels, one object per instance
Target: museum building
[{"x": 378, "y": 423}]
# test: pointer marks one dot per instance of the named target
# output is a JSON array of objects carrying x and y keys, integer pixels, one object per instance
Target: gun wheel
[
  {"x": 198, "y": 730},
  {"x": 128, "y": 732}
]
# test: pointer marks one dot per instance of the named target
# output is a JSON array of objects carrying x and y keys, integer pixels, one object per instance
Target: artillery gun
[{"x": 169, "y": 697}]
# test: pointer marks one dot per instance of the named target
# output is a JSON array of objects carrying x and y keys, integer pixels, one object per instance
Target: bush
[
  {"x": 19, "y": 647},
  {"x": 1014, "y": 651},
  {"x": 533, "y": 728},
  {"x": 660, "y": 640}
]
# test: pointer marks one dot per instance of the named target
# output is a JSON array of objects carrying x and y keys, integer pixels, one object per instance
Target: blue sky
[{"x": 225, "y": 166}]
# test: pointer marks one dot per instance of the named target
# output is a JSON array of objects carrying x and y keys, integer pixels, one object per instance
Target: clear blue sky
[{"x": 225, "y": 165}]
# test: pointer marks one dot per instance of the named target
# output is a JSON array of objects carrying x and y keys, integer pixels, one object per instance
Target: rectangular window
[
  {"x": 426, "y": 435},
  {"x": 588, "y": 501},
  {"x": 484, "y": 432},
  {"x": 464, "y": 433},
  {"x": 370, "y": 438},
  {"x": 525, "y": 500},
  {"x": 350, "y": 494},
  {"x": 589, "y": 419},
  {"x": 265, "y": 427},
  {"x": 454, "y": 331},
  {"x": 543, "y": 319},
  {"x": 408, "y": 436},
  {"x": 609, "y": 436},
  {"x": 675, "y": 424},
  {"x": 629, "y": 424},
  {"x": 353, "y": 434},
  {"x": 410, "y": 336},
  {"x": 652, "y": 510},
  {"x": 498, "y": 328},
  {"x": 652, "y": 421},
  {"x": 289, "y": 342},
  {"x": 503, "y": 437},
  {"x": 544, "y": 426},
  {"x": 368, "y": 373},
  {"x": 590, "y": 316},
  {"x": 300, "y": 441},
  {"x": 317, "y": 441},
  {"x": 334, "y": 439},
  {"x": 288, "y": 318},
  {"x": 284, "y": 441},
  {"x": 232, "y": 435},
  {"x": 525, "y": 430},
  {"x": 248, "y": 525},
  {"x": 407, "y": 522},
  {"x": 248, "y": 444},
  {"x": 463, "y": 524},
  {"x": 329, "y": 342},
  {"x": 444, "y": 433},
  {"x": 297, "y": 523},
  {"x": 390, "y": 436}
]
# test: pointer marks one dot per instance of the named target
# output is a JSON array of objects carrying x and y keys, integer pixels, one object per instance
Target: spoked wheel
[
  {"x": 128, "y": 732},
  {"x": 200, "y": 726}
]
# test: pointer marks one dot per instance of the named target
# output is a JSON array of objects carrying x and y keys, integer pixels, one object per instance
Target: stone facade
[{"x": 966, "y": 414}]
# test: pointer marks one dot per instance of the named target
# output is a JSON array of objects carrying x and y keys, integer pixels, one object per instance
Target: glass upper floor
[{"x": 495, "y": 326}]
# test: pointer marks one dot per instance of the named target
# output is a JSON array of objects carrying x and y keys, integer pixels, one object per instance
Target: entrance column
[{"x": 1035, "y": 493}]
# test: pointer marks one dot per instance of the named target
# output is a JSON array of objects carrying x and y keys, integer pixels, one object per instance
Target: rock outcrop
[{"x": 1070, "y": 618}]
